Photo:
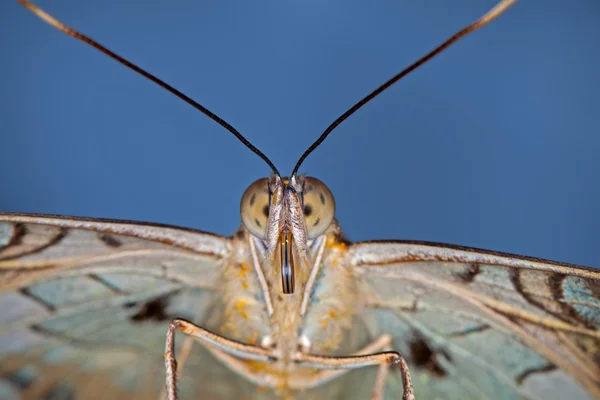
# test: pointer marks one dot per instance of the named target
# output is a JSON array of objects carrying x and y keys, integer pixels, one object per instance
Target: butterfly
[{"x": 286, "y": 307}]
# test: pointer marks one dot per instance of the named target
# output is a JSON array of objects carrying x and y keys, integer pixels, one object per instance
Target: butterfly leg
[
  {"x": 184, "y": 352},
  {"x": 365, "y": 357},
  {"x": 210, "y": 340}
]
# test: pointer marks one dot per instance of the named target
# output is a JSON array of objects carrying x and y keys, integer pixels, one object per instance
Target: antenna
[
  {"x": 73, "y": 33},
  {"x": 481, "y": 22}
]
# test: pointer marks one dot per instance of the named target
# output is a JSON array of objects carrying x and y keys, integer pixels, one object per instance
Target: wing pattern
[
  {"x": 478, "y": 324},
  {"x": 86, "y": 304}
]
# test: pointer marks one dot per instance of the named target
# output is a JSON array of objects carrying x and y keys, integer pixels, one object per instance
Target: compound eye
[
  {"x": 254, "y": 208},
  {"x": 319, "y": 207}
]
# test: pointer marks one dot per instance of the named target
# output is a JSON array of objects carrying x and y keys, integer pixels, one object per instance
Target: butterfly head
[{"x": 286, "y": 213}]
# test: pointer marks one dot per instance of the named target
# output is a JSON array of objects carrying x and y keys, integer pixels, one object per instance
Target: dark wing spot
[
  {"x": 469, "y": 273},
  {"x": 47, "y": 305},
  {"x": 322, "y": 198},
  {"x": 317, "y": 221},
  {"x": 266, "y": 211},
  {"x": 424, "y": 357},
  {"x": 19, "y": 231},
  {"x": 257, "y": 222},
  {"x": 308, "y": 210},
  {"x": 109, "y": 240},
  {"x": 252, "y": 199},
  {"x": 420, "y": 352},
  {"x": 470, "y": 330},
  {"x": 532, "y": 371},
  {"x": 154, "y": 310}
]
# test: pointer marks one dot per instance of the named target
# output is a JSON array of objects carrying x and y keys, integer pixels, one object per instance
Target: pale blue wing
[
  {"x": 483, "y": 325},
  {"x": 86, "y": 305}
]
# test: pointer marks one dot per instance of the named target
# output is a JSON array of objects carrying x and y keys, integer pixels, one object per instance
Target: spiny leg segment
[
  {"x": 368, "y": 356},
  {"x": 210, "y": 340},
  {"x": 230, "y": 352},
  {"x": 184, "y": 353}
]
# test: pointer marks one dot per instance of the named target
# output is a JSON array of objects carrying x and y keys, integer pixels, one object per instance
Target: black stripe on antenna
[
  {"x": 484, "y": 20},
  {"x": 73, "y": 33}
]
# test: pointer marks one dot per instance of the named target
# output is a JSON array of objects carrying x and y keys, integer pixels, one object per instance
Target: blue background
[{"x": 494, "y": 144}]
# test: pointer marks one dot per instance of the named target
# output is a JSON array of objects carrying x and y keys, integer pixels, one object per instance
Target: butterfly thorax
[{"x": 319, "y": 326}]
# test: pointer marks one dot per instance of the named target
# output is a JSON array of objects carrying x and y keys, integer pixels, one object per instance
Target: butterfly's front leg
[
  {"x": 376, "y": 353},
  {"x": 221, "y": 347}
]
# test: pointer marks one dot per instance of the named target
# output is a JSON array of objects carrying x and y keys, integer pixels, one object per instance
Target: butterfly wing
[
  {"x": 475, "y": 324},
  {"x": 86, "y": 305}
]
